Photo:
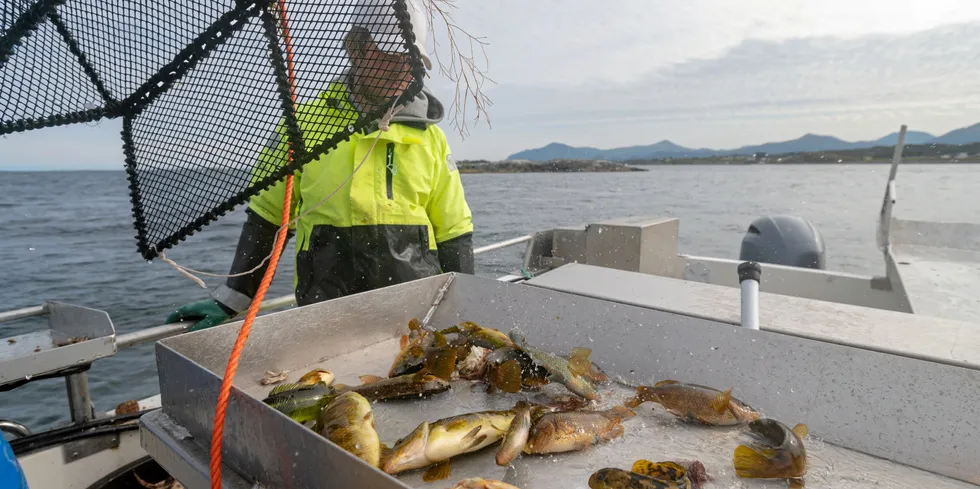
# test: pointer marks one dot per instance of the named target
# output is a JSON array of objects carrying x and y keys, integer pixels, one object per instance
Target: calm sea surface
[{"x": 69, "y": 237}]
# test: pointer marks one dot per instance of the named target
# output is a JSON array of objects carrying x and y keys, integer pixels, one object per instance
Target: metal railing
[{"x": 172, "y": 329}]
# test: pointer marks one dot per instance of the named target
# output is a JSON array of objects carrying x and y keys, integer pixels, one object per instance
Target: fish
[
  {"x": 406, "y": 386},
  {"x": 477, "y": 335},
  {"x": 349, "y": 422},
  {"x": 613, "y": 478},
  {"x": 557, "y": 367},
  {"x": 437, "y": 442},
  {"x": 673, "y": 470},
  {"x": 531, "y": 375},
  {"x": 474, "y": 362},
  {"x": 516, "y": 437},
  {"x": 696, "y": 403},
  {"x": 478, "y": 483},
  {"x": 313, "y": 377},
  {"x": 414, "y": 346},
  {"x": 777, "y": 452},
  {"x": 576, "y": 430},
  {"x": 304, "y": 403}
]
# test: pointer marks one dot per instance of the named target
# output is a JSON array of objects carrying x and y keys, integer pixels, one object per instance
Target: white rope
[{"x": 383, "y": 126}]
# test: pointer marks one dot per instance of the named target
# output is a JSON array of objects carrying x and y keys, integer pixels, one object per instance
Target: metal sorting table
[{"x": 866, "y": 410}]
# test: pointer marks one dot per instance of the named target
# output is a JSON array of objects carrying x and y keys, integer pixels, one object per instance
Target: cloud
[
  {"x": 703, "y": 73},
  {"x": 756, "y": 91}
]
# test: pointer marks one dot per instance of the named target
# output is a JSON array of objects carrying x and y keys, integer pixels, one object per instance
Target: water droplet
[{"x": 31, "y": 248}]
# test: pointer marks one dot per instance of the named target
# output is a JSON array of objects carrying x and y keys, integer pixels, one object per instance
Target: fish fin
[
  {"x": 403, "y": 342},
  {"x": 796, "y": 483},
  {"x": 439, "y": 340},
  {"x": 508, "y": 376},
  {"x": 622, "y": 412},
  {"x": 480, "y": 439},
  {"x": 665, "y": 471},
  {"x": 414, "y": 324},
  {"x": 469, "y": 437},
  {"x": 416, "y": 351},
  {"x": 451, "y": 329},
  {"x": 441, "y": 363},
  {"x": 279, "y": 389},
  {"x": 633, "y": 403},
  {"x": 801, "y": 430},
  {"x": 665, "y": 382},
  {"x": 368, "y": 379},
  {"x": 578, "y": 360},
  {"x": 437, "y": 472},
  {"x": 749, "y": 463},
  {"x": 721, "y": 401},
  {"x": 386, "y": 452}
]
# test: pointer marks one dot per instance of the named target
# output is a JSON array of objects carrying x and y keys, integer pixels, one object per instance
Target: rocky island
[{"x": 550, "y": 166}]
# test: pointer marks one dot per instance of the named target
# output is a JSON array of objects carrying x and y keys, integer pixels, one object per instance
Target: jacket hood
[{"x": 425, "y": 109}]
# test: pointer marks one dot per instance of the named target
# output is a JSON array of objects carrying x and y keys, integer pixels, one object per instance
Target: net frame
[{"x": 20, "y": 19}]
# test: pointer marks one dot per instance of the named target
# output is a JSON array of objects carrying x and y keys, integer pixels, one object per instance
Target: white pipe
[{"x": 749, "y": 275}]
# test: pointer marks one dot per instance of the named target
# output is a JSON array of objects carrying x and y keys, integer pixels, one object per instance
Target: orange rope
[{"x": 253, "y": 308}]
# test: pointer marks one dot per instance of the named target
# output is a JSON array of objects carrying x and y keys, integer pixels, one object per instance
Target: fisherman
[{"x": 403, "y": 215}]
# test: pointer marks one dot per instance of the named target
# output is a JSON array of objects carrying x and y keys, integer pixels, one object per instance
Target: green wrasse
[
  {"x": 777, "y": 452},
  {"x": 313, "y": 377},
  {"x": 516, "y": 437},
  {"x": 349, "y": 422},
  {"x": 612, "y": 478},
  {"x": 302, "y": 404},
  {"x": 576, "y": 430},
  {"x": 406, "y": 386},
  {"x": 696, "y": 403},
  {"x": 558, "y": 368},
  {"x": 437, "y": 442}
]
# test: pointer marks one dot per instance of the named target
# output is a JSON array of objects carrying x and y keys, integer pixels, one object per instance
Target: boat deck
[{"x": 939, "y": 266}]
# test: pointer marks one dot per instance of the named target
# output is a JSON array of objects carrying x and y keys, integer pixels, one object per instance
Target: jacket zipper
[{"x": 390, "y": 169}]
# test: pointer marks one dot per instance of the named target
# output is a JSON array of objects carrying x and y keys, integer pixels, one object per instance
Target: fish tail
[
  {"x": 578, "y": 360},
  {"x": 437, "y": 472},
  {"x": 622, "y": 412},
  {"x": 441, "y": 362},
  {"x": 750, "y": 463}
]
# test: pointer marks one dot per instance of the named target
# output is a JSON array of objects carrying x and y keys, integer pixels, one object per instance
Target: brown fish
[
  {"x": 477, "y": 483},
  {"x": 516, "y": 437},
  {"x": 349, "y": 422},
  {"x": 530, "y": 376},
  {"x": 696, "y": 403},
  {"x": 577, "y": 430},
  {"x": 777, "y": 452},
  {"x": 613, "y": 478},
  {"x": 674, "y": 470},
  {"x": 479, "y": 336},
  {"x": 406, "y": 386}
]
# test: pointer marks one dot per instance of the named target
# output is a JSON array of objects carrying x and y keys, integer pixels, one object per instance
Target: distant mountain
[
  {"x": 964, "y": 135},
  {"x": 804, "y": 144},
  {"x": 911, "y": 137}
]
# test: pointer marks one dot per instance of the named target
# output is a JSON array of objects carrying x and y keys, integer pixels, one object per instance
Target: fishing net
[{"x": 201, "y": 87}]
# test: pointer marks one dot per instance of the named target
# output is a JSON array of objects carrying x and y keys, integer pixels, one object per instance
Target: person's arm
[
  {"x": 449, "y": 213},
  {"x": 263, "y": 218}
]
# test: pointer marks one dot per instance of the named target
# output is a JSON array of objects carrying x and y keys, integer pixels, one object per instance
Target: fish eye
[{"x": 601, "y": 476}]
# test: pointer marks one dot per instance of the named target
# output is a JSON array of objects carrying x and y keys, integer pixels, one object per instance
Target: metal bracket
[{"x": 80, "y": 449}]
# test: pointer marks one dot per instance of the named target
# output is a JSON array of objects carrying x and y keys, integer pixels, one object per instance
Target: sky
[{"x": 701, "y": 73}]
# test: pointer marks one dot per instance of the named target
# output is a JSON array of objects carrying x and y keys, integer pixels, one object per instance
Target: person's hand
[{"x": 209, "y": 311}]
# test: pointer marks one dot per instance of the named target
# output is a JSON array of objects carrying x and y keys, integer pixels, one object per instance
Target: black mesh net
[{"x": 202, "y": 86}]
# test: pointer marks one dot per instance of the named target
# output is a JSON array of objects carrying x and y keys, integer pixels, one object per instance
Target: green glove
[{"x": 209, "y": 311}]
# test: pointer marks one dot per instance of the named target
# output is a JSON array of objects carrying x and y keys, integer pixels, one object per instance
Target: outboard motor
[{"x": 784, "y": 240}]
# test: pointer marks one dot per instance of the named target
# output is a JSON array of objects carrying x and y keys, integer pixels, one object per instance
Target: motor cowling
[{"x": 784, "y": 240}]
